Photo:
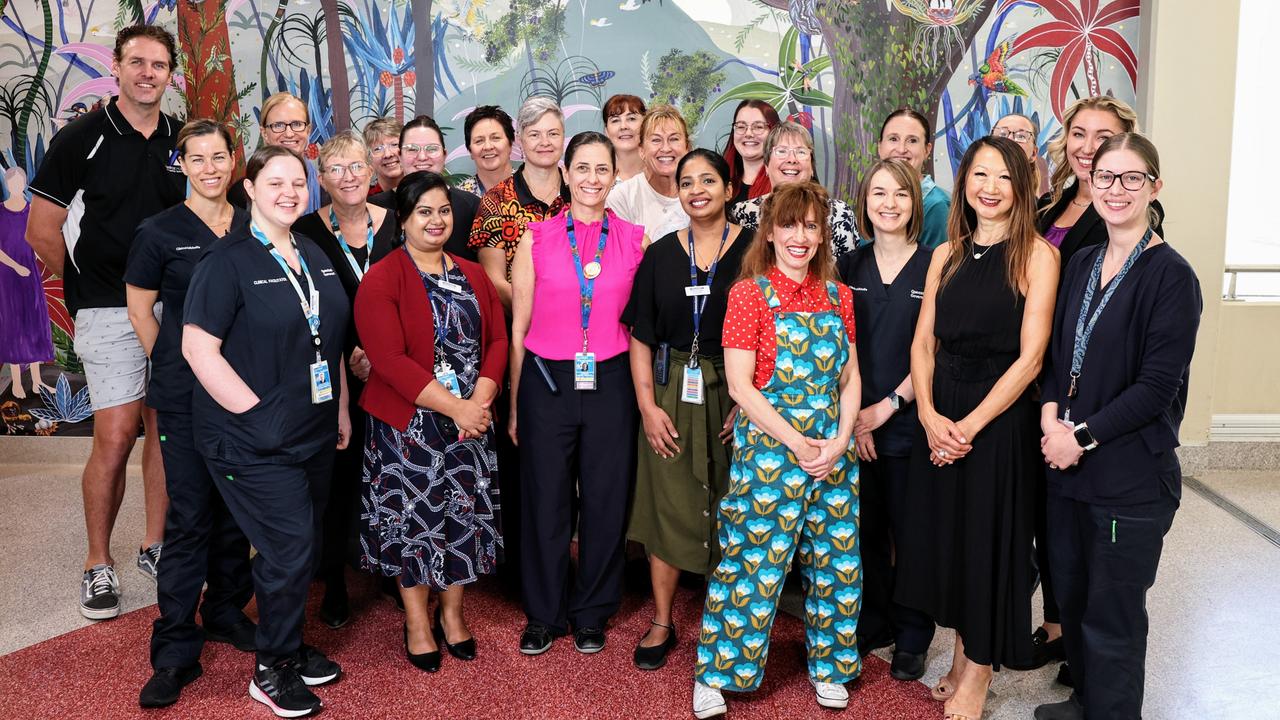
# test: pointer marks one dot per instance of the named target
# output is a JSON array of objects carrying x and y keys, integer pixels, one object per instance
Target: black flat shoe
[
  {"x": 655, "y": 656},
  {"x": 588, "y": 640},
  {"x": 536, "y": 639},
  {"x": 907, "y": 666},
  {"x": 465, "y": 650},
  {"x": 165, "y": 685},
  {"x": 1064, "y": 676},
  {"x": 1043, "y": 651},
  {"x": 243, "y": 635},
  {"x": 427, "y": 662}
]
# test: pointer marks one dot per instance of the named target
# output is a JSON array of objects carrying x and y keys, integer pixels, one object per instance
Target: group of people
[{"x": 468, "y": 377}]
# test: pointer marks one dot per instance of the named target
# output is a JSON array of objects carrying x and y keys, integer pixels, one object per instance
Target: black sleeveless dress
[{"x": 967, "y": 556}]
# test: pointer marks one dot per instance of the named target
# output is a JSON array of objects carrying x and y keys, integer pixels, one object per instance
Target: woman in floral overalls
[{"x": 791, "y": 367}]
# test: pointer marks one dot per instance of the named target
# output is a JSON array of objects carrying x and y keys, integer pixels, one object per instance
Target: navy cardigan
[{"x": 1132, "y": 389}]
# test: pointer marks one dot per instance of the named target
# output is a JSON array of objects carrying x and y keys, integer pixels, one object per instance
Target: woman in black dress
[
  {"x": 684, "y": 472},
  {"x": 979, "y": 344}
]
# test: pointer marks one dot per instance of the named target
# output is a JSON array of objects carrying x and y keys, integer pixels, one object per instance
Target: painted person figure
[{"x": 24, "y": 314}]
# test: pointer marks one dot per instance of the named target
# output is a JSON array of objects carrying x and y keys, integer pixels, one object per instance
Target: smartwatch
[
  {"x": 1084, "y": 437},
  {"x": 895, "y": 401}
]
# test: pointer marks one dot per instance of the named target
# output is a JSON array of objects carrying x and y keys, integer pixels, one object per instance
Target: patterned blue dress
[{"x": 430, "y": 501}]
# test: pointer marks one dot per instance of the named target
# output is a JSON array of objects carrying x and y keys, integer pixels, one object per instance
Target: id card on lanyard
[
  {"x": 584, "y": 363},
  {"x": 321, "y": 380},
  {"x": 356, "y": 267},
  {"x": 444, "y": 372},
  {"x": 692, "y": 388}
]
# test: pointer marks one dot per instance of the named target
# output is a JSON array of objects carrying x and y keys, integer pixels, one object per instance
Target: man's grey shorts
[{"x": 115, "y": 365}]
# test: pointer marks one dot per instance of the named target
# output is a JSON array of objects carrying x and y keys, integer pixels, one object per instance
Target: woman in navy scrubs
[
  {"x": 264, "y": 325},
  {"x": 354, "y": 234},
  {"x": 202, "y": 542},
  {"x": 887, "y": 277}
]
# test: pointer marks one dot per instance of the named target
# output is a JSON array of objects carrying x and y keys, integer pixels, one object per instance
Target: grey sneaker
[
  {"x": 100, "y": 593},
  {"x": 149, "y": 560}
]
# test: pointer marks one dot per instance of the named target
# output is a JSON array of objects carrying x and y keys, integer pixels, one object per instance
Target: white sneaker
[
  {"x": 707, "y": 701},
  {"x": 830, "y": 695}
]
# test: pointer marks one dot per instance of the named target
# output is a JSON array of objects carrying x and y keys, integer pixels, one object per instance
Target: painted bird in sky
[{"x": 994, "y": 75}]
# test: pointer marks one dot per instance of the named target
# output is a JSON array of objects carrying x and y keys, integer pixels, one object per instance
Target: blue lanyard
[
  {"x": 1084, "y": 331},
  {"x": 310, "y": 301},
  {"x": 586, "y": 285},
  {"x": 346, "y": 249},
  {"x": 700, "y": 302},
  {"x": 439, "y": 324}
]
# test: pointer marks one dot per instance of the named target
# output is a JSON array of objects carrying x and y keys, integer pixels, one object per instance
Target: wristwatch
[
  {"x": 895, "y": 401},
  {"x": 1084, "y": 437}
]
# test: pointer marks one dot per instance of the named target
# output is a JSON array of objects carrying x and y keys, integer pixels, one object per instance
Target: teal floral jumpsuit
[{"x": 774, "y": 508}]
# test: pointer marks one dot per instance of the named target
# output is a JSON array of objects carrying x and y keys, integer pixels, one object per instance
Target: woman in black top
[
  {"x": 354, "y": 234},
  {"x": 684, "y": 473},
  {"x": 887, "y": 277},
  {"x": 202, "y": 542},
  {"x": 1114, "y": 393},
  {"x": 264, "y": 325}
]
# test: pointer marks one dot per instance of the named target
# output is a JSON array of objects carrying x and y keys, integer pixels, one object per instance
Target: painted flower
[
  {"x": 823, "y": 350},
  {"x": 766, "y": 495},
  {"x": 725, "y": 650},
  {"x": 710, "y": 626},
  {"x": 760, "y": 527},
  {"x": 715, "y": 680},
  {"x": 790, "y": 511},
  {"x": 746, "y": 670},
  {"x": 843, "y": 531},
  {"x": 761, "y": 609},
  {"x": 704, "y": 656},
  {"x": 846, "y": 563},
  {"x": 716, "y": 592},
  {"x": 753, "y": 641},
  {"x": 769, "y": 462},
  {"x": 734, "y": 619}
]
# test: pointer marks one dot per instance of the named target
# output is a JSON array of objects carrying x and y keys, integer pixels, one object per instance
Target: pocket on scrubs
[{"x": 259, "y": 428}]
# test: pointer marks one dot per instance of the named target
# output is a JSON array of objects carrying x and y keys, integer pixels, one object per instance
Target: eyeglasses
[
  {"x": 294, "y": 125},
  {"x": 429, "y": 150},
  {"x": 335, "y": 172},
  {"x": 782, "y": 152},
  {"x": 1132, "y": 181},
  {"x": 384, "y": 149},
  {"x": 1018, "y": 136},
  {"x": 741, "y": 128}
]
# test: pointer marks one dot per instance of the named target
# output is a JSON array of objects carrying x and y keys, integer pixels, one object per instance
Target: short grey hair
[
  {"x": 345, "y": 141},
  {"x": 534, "y": 108}
]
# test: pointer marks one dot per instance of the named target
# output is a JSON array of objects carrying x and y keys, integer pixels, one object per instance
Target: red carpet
[{"x": 96, "y": 672}]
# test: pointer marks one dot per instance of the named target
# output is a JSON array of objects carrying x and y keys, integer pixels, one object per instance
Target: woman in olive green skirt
[{"x": 676, "y": 312}]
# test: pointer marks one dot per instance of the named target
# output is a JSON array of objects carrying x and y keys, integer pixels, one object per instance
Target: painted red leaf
[
  {"x": 1115, "y": 12},
  {"x": 1113, "y": 43},
  {"x": 1053, "y": 34},
  {"x": 1064, "y": 72}
]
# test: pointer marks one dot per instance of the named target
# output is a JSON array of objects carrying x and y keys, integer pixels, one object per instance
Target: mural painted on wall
[{"x": 836, "y": 66}]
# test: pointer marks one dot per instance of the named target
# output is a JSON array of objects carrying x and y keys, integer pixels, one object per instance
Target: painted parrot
[{"x": 993, "y": 75}]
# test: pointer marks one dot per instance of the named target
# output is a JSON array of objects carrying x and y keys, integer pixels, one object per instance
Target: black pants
[
  {"x": 587, "y": 435},
  {"x": 881, "y": 502},
  {"x": 337, "y": 525},
  {"x": 1104, "y": 560},
  {"x": 509, "y": 487},
  {"x": 1047, "y": 597},
  {"x": 201, "y": 543},
  {"x": 279, "y": 507}
]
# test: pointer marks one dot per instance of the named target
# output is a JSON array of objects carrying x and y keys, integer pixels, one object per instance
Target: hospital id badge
[
  {"x": 584, "y": 371},
  {"x": 697, "y": 290},
  {"x": 448, "y": 378},
  {"x": 321, "y": 384},
  {"x": 691, "y": 390}
]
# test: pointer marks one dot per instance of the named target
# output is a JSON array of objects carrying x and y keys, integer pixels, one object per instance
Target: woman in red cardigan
[{"x": 433, "y": 330}]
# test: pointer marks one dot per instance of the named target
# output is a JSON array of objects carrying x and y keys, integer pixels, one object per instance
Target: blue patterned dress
[{"x": 431, "y": 512}]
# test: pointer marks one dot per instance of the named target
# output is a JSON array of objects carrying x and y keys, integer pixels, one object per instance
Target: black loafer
[
  {"x": 426, "y": 662},
  {"x": 907, "y": 666},
  {"x": 1043, "y": 651},
  {"x": 655, "y": 656},
  {"x": 465, "y": 650},
  {"x": 536, "y": 639},
  {"x": 1064, "y": 676},
  {"x": 165, "y": 685},
  {"x": 1069, "y": 709},
  {"x": 243, "y": 635},
  {"x": 588, "y": 640},
  {"x": 335, "y": 608}
]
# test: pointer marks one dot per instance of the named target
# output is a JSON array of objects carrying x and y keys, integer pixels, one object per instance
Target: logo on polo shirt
[
  {"x": 858, "y": 289},
  {"x": 184, "y": 248},
  {"x": 327, "y": 272},
  {"x": 172, "y": 165},
  {"x": 917, "y": 294}
]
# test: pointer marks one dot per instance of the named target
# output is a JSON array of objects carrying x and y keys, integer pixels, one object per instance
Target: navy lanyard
[
  {"x": 439, "y": 324},
  {"x": 310, "y": 301},
  {"x": 1084, "y": 331},
  {"x": 700, "y": 302},
  {"x": 586, "y": 285},
  {"x": 346, "y": 249}
]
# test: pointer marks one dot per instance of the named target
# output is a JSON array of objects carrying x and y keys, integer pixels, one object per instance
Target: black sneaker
[
  {"x": 315, "y": 668},
  {"x": 243, "y": 635},
  {"x": 166, "y": 685},
  {"x": 536, "y": 639},
  {"x": 588, "y": 640},
  {"x": 100, "y": 593},
  {"x": 281, "y": 689}
]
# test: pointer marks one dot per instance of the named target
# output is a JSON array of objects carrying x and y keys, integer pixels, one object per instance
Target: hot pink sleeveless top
[{"x": 555, "y": 328}]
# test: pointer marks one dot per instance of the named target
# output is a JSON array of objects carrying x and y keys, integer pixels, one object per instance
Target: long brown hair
[
  {"x": 1058, "y": 146},
  {"x": 909, "y": 179},
  {"x": 963, "y": 220},
  {"x": 789, "y": 204}
]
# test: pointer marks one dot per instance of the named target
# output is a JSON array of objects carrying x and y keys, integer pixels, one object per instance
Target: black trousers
[
  {"x": 1048, "y": 599},
  {"x": 279, "y": 507},
  {"x": 587, "y": 436},
  {"x": 201, "y": 543},
  {"x": 509, "y": 487},
  {"x": 1104, "y": 560},
  {"x": 881, "y": 500},
  {"x": 338, "y": 523}
]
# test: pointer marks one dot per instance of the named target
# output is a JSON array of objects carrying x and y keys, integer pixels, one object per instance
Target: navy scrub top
[
  {"x": 240, "y": 294},
  {"x": 163, "y": 256},
  {"x": 886, "y": 320}
]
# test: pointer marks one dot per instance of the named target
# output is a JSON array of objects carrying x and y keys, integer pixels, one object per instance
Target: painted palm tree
[
  {"x": 388, "y": 50},
  {"x": 795, "y": 85},
  {"x": 339, "y": 85},
  {"x": 425, "y": 55},
  {"x": 1078, "y": 33},
  {"x": 28, "y": 105}
]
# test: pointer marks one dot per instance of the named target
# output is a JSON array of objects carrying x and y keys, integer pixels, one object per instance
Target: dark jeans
[
  {"x": 201, "y": 544},
  {"x": 881, "y": 511},
  {"x": 279, "y": 507},
  {"x": 1104, "y": 559},
  {"x": 588, "y": 436}
]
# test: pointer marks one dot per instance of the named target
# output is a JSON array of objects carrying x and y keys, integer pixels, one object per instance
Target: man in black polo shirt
[{"x": 112, "y": 168}]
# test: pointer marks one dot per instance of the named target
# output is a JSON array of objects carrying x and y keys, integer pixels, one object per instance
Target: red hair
[{"x": 761, "y": 186}]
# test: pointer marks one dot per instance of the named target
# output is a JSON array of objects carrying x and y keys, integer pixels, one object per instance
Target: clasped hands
[
  {"x": 471, "y": 416},
  {"x": 1059, "y": 445},
  {"x": 948, "y": 441},
  {"x": 818, "y": 456}
]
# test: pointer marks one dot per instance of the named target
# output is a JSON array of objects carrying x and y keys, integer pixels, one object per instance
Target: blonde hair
[
  {"x": 790, "y": 204},
  {"x": 908, "y": 178},
  {"x": 279, "y": 99},
  {"x": 789, "y": 130},
  {"x": 380, "y": 128},
  {"x": 1058, "y": 146},
  {"x": 343, "y": 142},
  {"x": 663, "y": 113}
]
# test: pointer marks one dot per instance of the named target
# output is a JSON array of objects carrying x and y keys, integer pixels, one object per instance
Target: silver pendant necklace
[{"x": 979, "y": 255}]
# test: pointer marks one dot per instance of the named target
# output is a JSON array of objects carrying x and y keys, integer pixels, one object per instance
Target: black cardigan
[
  {"x": 1132, "y": 390},
  {"x": 1088, "y": 231}
]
